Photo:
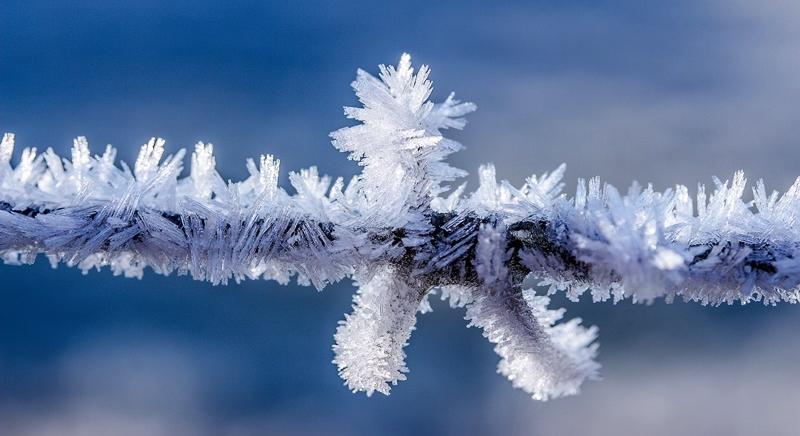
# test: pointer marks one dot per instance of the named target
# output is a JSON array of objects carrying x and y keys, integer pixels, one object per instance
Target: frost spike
[
  {"x": 399, "y": 142},
  {"x": 6, "y": 148}
]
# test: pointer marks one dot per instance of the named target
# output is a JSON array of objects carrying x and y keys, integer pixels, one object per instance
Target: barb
[{"x": 392, "y": 229}]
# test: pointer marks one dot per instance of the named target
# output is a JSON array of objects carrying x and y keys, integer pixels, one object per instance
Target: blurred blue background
[{"x": 666, "y": 92}]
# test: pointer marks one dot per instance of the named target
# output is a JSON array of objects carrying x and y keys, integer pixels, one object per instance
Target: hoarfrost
[{"x": 398, "y": 230}]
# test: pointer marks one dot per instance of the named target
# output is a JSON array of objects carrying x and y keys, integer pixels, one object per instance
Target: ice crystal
[
  {"x": 539, "y": 356},
  {"x": 403, "y": 236},
  {"x": 369, "y": 342},
  {"x": 399, "y": 142}
]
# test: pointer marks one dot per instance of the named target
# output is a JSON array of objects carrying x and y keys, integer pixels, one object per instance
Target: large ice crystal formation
[{"x": 400, "y": 232}]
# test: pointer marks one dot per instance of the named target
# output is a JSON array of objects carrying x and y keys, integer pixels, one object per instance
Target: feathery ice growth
[{"x": 398, "y": 232}]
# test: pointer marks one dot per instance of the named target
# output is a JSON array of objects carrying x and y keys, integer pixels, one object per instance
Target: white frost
[{"x": 397, "y": 230}]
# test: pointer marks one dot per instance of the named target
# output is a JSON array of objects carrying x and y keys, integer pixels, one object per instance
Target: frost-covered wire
[{"x": 399, "y": 232}]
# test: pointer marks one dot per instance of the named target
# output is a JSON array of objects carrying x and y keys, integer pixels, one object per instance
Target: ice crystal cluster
[{"x": 403, "y": 235}]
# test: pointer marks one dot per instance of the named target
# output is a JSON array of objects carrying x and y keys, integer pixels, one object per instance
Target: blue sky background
[{"x": 662, "y": 92}]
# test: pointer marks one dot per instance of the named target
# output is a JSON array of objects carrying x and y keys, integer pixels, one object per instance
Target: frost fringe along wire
[{"x": 397, "y": 232}]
